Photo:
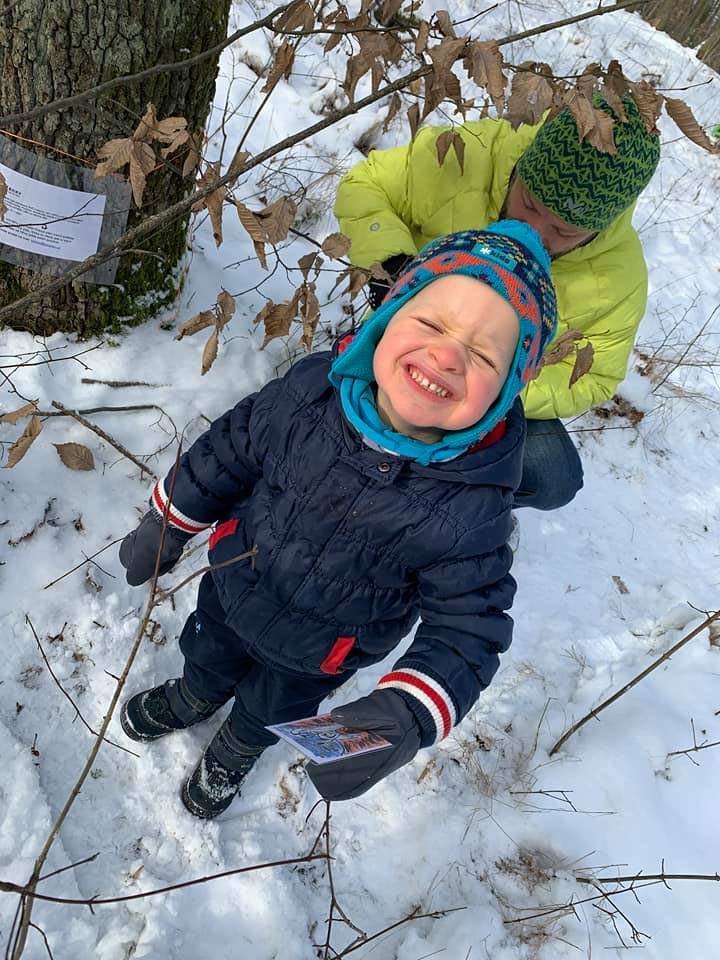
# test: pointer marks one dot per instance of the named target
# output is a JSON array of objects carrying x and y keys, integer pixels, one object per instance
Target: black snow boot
[
  {"x": 154, "y": 713},
  {"x": 216, "y": 780}
]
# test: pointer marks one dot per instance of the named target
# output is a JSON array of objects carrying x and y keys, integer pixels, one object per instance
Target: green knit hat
[{"x": 579, "y": 183}]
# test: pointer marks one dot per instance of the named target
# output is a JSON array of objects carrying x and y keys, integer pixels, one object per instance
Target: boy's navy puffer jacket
[{"x": 353, "y": 545}]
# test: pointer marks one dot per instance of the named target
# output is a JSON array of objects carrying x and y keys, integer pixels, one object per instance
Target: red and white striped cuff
[
  {"x": 175, "y": 517},
  {"x": 429, "y": 692}
]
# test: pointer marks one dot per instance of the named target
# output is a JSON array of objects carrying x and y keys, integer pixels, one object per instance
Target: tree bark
[
  {"x": 55, "y": 49},
  {"x": 695, "y": 24}
]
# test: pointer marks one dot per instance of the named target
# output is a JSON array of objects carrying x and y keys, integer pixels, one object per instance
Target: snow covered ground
[{"x": 488, "y": 822}]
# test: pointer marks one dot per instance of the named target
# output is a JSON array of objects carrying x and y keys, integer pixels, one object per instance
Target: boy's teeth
[{"x": 424, "y": 382}]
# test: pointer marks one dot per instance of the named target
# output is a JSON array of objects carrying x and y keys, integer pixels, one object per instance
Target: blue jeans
[{"x": 552, "y": 471}]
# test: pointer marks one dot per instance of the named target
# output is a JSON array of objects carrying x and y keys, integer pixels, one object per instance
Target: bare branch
[
  {"x": 628, "y": 686},
  {"x": 179, "y": 209}
]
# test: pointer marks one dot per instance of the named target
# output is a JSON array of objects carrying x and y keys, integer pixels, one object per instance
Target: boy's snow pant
[{"x": 217, "y": 668}]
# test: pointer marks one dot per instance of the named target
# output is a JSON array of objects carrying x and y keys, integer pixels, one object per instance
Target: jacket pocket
[{"x": 340, "y": 651}]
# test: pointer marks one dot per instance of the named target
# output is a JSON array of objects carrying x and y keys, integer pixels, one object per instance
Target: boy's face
[{"x": 444, "y": 357}]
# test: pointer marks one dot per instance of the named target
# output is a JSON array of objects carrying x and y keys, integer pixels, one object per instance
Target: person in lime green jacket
[{"x": 580, "y": 201}]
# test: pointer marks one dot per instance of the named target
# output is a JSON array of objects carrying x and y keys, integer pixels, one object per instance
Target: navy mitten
[
  {"x": 386, "y": 713},
  {"x": 139, "y": 549}
]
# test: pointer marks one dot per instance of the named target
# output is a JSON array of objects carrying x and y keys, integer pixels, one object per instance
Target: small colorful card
[{"x": 324, "y": 740}]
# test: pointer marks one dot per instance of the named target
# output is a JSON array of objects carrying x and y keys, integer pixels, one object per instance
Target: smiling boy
[{"x": 375, "y": 484}]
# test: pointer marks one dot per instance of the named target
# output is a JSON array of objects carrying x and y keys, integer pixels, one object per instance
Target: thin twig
[
  {"x": 628, "y": 686},
  {"x": 82, "y": 563},
  {"x": 165, "y": 594},
  {"x": 106, "y": 436},
  {"x": 122, "y": 383},
  {"x": 20, "y": 938},
  {"x": 8, "y": 887},
  {"x": 67, "y": 695},
  {"x": 714, "y": 877},
  {"x": 73, "y": 413}
]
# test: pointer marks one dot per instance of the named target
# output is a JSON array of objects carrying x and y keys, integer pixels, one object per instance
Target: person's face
[
  {"x": 558, "y": 236},
  {"x": 444, "y": 357}
]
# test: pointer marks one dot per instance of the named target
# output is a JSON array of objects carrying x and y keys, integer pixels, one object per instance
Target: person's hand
[
  {"x": 139, "y": 549},
  {"x": 377, "y": 289},
  {"x": 383, "y": 712}
]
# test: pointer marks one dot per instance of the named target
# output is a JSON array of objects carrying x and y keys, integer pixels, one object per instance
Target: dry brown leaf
[
  {"x": 142, "y": 162},
  {"x": 336, "y": 245},
  {"x": 14, "y": 415},
  {"x": 442, "y": 145},
  {"x": 226, "y": 308},
  {"x": 620, "y": 584},
  {"x": 113, "y": 155},
  {"x": 393, "y": 109},
  {"x": 238, "y": 161},
  {"x": 282, "y": 66},
  {"x": 649, "y": 103},
  {"x": 206, "y": 318},
  {"x": 682, "y": 115},
  {"x": 358, "y": 279},
  {"x": 170, "y": 129},
  {"x": 192, "y": 158},
  {"x": 582, "y": 111},
  {"x": 332, "y": 41},
  {"x": 299, "y": 16},
  {"x": 614, "y": 87},
  {"x": 214, "y": 202},
  {"x": 3, "y": 194},
  {"x": 210, "y": 351},
  {"x": 602, "y": 136},
  {"x": 583, "y": 362},
  {"x": 76, "y": 456},
  {"x": 145, "y": 129},
  {"x": 587, "y": 82},
  {"x": 310, "y": 314},
  {"x": 356, "y": 69},
  {"x": 389, "y": 9},
  {"x": 276, "y": 318},
  {"x": 421, "y": 40},
  {"x": 562, "y": 347},
  {"x": 378, "y": 272},
  {"x": 446, "y": 52},
  {"x": 413, "y": 116},
  {"x": 445, "y": 24},
  {"x": 277, "y": 218},
  {"x": 459, "y": 148},
  {"x": 307, "y": 262},
  {"x": 484, "y": 64},
  {"x": 21, "y": 446},
  {"x": 530, "y": 97}
]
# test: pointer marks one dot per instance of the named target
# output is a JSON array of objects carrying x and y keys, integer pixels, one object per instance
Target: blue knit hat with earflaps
[{"x": 510, "y": 258}]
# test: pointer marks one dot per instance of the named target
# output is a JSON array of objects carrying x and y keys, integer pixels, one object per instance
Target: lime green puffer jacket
[{"x": 399, "y": 199}]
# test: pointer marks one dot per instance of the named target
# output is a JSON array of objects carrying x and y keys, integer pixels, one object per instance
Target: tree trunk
[
  {"x": 55, "y": 49},
  {"x": 695, "y": 24}
]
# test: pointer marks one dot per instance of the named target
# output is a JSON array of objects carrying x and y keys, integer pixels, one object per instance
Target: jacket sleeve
[
  {"x": 221, "y": 467},
  {"x": 463, "y": 629},
  {"x": 372, "y": 210},
  {"x": 612, "y": 334}
]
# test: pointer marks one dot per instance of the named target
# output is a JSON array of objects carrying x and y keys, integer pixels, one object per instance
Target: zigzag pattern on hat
[{"x": 578, "y": 182}]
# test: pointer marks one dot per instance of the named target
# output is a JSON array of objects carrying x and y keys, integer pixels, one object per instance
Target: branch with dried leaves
[{"x": 237, "y": 167}]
